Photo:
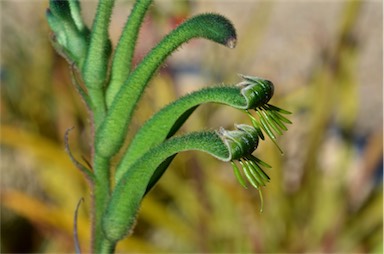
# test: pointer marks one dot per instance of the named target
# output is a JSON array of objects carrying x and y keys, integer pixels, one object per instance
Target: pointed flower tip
[{"x": 231, "y": 42}]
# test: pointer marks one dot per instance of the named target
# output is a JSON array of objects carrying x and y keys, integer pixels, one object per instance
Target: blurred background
[{"x": 326, "y": 193}]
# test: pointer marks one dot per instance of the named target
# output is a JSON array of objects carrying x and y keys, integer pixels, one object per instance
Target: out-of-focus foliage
[{"x": 326, "y": 191}]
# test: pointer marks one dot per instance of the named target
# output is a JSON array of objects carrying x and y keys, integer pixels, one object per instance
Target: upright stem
[{"x": 101, "y": 195}]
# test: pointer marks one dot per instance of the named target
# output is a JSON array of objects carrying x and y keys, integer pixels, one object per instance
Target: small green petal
[
  {"x": 255, "y": 173},
  {"x": 276, "y": 120},
  {"x": 271, "y": 122},
  {"x": 238, "y": 175},
  {"x": 280, "y": 110},
  {"x": 257, "y": 160},
  {"x": 249, "y": 176},
  {"x": 260, "y": 171}
]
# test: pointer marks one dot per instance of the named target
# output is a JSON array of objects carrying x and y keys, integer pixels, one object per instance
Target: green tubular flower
[
  {"x": 162, "y": 125},
  {"x": 96, "y": 62},
  {"x": 130, "y": 190},
  {"x": 122, "y": 58},
  {"x": 122, "y": 102}
]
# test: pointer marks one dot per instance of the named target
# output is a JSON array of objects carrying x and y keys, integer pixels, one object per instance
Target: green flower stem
[
  {"x": 101, "y": 195},
  {"x": 110, "y": 137},
  {"x": 122, "y": 60},
  {"x": 96, "y": 62},
  {"x": 128, "y": 193},
  {"x": 167, "y": 121}
]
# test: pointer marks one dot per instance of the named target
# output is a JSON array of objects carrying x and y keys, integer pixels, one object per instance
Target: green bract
[{"x": 111, "y": 91}]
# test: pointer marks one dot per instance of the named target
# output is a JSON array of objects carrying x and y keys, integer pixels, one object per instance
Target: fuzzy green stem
[
  {"x": 101, "y": 193},
  {"x": 122, "y": 61},
  {"x": 113, "y": 130}
]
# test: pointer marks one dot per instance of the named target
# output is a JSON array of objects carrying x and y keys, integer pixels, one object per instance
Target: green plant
[{"x": 111, "y": 92}]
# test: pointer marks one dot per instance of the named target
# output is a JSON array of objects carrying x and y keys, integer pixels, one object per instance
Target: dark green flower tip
[
  {"x": 60, "y": 9},
  {"x": 240, "y": 142},
  {"x": 258, "y": 91},
  {"x": 270, "y": 119}
]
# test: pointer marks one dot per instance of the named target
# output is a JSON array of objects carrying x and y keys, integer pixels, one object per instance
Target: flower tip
[{"x": 231, "y": 42}]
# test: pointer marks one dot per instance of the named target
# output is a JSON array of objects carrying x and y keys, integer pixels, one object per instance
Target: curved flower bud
[
  {"x": 130, "y": 190},
  {"x": 257, "y": 90},
  {"x": 241, "y": 141},
  {"x": 121, "y": 101},
  {"x": 248, "y": 94}
]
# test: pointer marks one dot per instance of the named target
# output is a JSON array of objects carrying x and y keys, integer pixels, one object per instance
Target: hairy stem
[{"x": 101, "y": 193}]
